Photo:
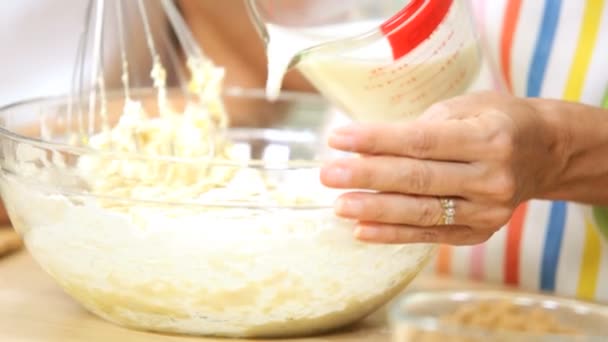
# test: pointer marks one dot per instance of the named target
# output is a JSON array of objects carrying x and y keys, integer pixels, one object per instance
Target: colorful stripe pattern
[
  {"x": 513, "y": 248},
  {"x": 590, "y": 265},
  {"x": 584, "y": 50},
  {"x": 569, "y": 35},
  {"x": 544, "y": 47},
  {"x": 506, "y": 41},
  {"x": 553, "y": 245}
]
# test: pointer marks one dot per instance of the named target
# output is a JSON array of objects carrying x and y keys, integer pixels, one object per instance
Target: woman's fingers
[
  {"x": 418, "y": 211},
  {"x": 449, "y": 140},
  {"x": 399, "y": 234},
  {"x": 486, "y": 151},
  {"x": 394, "y": 208},
  {"x": 398, "y": 174}
]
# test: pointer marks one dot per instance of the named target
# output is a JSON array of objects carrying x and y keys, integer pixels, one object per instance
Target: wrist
[
  {"x": 553, "y": 150},
  {"x": 577, "y": 144}
]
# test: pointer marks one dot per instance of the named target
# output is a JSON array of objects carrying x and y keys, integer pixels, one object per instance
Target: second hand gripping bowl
[{"x": 169, "y": 209}]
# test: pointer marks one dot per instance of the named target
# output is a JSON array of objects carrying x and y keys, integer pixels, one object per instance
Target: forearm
[{"x": 580, "y": 134}]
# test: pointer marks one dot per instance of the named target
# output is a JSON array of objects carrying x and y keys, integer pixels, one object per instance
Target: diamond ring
[{"x": 449, "y": 211}]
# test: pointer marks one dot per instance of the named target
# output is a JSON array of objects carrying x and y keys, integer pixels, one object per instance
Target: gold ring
[{"x": 449, "y": 211}]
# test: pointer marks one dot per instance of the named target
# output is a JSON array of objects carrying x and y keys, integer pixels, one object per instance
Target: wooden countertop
[{"x": 33, "y": 308}]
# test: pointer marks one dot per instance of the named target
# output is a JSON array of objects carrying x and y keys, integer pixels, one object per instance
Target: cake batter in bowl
[{"x": 239, "y": 242}]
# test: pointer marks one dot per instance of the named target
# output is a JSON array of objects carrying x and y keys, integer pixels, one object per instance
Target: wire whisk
[{"x": 130, "y": 52}]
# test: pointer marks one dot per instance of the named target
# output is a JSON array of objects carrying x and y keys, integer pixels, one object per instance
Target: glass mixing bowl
[
  {"x": 495, "y": 316},
  {"x": 238, "y": 263}
]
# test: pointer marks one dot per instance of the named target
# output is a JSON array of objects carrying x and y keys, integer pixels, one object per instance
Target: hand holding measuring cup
[{"x": 483, "y": 153}]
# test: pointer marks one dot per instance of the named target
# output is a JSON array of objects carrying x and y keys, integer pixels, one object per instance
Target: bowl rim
[
  {"x": 428, "y": 323},
  {"x": 234, "y": 92}
]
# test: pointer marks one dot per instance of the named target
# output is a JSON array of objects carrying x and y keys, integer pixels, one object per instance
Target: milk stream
[{"x": 365, "y": 81}]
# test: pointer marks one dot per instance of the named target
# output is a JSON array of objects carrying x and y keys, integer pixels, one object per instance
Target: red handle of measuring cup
[{"x": 414, "y": 24}]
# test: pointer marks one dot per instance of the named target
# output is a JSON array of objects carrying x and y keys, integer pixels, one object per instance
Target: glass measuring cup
[{"x": 380, "y": 60}]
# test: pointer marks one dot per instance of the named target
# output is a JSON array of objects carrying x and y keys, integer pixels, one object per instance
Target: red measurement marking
[
  {"x": 404, "y": 74},
  {"x": 424, "y": 94},
  {"x": 396, "y": 69},
  {"x": 377, "y": 72},
  {"x": 431, "y": 77},
  {"x": 415, "y": 64},
  {"x": 457, "y": 82},
  {"x": 423, "y": 88}
]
